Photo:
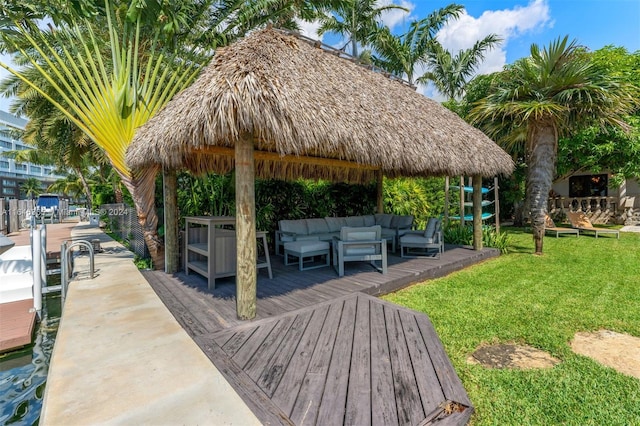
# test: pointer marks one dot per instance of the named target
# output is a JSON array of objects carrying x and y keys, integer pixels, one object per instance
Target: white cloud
[
  {"x": 393, "y": 17},
  {"x": 507, "y": 24},
  {"x": 309, "y": 29}
]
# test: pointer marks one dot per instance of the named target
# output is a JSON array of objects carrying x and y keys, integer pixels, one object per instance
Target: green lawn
[{"x": 579, "y": 284}]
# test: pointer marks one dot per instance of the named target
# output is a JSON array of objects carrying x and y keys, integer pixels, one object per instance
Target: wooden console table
[{"x": 210, "y": 247}]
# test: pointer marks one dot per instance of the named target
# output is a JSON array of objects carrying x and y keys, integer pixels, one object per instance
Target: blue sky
[{"x": 594, "y": 23}]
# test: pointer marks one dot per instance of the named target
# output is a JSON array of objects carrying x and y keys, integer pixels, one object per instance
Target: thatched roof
[{"x": 297, "y": 100}]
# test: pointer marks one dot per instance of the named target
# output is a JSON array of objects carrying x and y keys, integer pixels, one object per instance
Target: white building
[{"x": 12, "y": 173}]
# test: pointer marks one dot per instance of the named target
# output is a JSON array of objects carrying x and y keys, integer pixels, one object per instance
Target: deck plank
[
  {"x": 410, "y": 411},
  {"x": 358, "y": 407},
  {"x": 17, "y": 324},
  {"x": 334, "y": 398},
  {"x": 305, "y": 409},
  {"x": 287, "y": 390},
  {"x": 382, "y": 389},
  {"x": 321, "y": 349}
]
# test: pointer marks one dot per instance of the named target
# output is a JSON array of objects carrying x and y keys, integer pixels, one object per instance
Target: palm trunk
[
  {"x": 543, "y": 141},
  {"x": 87, "y": 189},
  {"x": 142, "y": 189}
]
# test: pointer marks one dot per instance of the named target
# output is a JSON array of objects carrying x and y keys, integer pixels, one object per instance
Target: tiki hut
[{"x": 275, "y": 105}]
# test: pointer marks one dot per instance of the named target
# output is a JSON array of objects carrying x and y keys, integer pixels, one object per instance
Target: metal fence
[{"x": 122, "y": 221}]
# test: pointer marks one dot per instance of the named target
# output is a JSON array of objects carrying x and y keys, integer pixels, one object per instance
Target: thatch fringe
[{"x": 296, "y": 100}]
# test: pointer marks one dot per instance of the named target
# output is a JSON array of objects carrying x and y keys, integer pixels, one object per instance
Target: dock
[
  {"x": 17, "y": 316},
  {"x": 18, "y": 320}
]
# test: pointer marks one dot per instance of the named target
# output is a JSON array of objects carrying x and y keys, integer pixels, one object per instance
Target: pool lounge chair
[
  {"x": 550, "y": 226},
  {"x": 580, "y": 221}
]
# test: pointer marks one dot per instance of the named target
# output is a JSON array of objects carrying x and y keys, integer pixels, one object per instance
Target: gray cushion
[
  {"x": 383, "y": 220},
  {"x": 355, "y": 220},
  {"x": 298, "y": 227},
  {"x": 387, "y": 232},
  {"x": 369, "y": 220},
  {"x": 359, "y": 250},
  {"x": 335, "y": 223},
  {"x": 365, "y": 233},
  {"x": 401, "y": 222},
  {"x": 301, "y": 247},
  {"x": 317, "y": 226},
  {"x": 415, "y": 239},
  {"x": 431, "y": 228}
]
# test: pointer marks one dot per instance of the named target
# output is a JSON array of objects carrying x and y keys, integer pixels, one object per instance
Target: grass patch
[{"x": 579, "y": 284}]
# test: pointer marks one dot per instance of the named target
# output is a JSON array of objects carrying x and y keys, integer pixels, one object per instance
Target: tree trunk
[
  {"x": 543, "y": 141},
  {"x": 87, "y": 189},
  {"x": 142, "y": 188}
]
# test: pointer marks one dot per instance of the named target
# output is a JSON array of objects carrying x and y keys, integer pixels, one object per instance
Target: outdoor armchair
[
  {"x": 580, "y": 221},
  {"x": 364, "y": 244},
  {"x": 428, "y": 242}
]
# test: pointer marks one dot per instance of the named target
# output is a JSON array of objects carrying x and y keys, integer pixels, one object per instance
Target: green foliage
[
  {"x": 31, "y": 187},
  {"x": 420, "y": 197},
  {"x": 540, "y": 301},
  {"x": 453, "y": 233},
  {"x": 210, "y": 195}
]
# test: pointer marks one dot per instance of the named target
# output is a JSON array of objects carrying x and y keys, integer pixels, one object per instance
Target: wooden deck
[
  {"x": 17, "y": 321},
  {"x": 321, "y": 349}
]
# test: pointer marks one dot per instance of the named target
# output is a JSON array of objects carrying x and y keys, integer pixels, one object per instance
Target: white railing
[{"x": 598, "y": 209}]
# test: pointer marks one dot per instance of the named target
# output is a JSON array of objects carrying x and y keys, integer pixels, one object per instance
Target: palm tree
[
  {"x": 31, "y": 187},
  {"x": 554, "y": 91},
  {"x": 450, "y": 73},
  {"x": 70, "y": 185},
  {"x": 356, "y": 20},
  {"x": 399, "y": 55},
  {"x": 106, "y": 99}
]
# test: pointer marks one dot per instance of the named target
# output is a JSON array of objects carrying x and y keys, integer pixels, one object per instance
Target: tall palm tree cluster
[
  {"x": 89, "y": 73},
  {"x": 102, "y": 68}
]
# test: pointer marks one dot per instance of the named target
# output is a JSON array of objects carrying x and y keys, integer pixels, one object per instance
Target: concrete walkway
[{"x": 120, "y": 357}]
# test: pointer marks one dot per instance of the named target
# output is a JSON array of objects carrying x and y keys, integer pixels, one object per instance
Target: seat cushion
[
  {"x": 359, "y": 250},
  {"x": 298, "y": 227},
  {"x": 369, "y": 220},
  {"x": 302, "y": 247},
  {"x": 317, "y": 226},
  {"x": 335, "y": 223},
  {"x": 364, "y": 233},
  {"x": 431, "y": 227},
  {"x": 401, "y": 222},
  {"x": 383, "y": 220},
  {"x": 355, "y": 221},
  {"x": 415, "y": 239}
]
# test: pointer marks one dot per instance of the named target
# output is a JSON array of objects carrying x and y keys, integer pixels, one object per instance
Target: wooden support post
[
  {"x": 171, "y": 250},
  {"x": 379, "y": 192},
  {"x": 446, "y": 199},
  {"x": 496, "y": 203},
  {"x": 461, "y": 200},
  {"x": 246, "y": 272},
  {"x": 477, "y": 212}
]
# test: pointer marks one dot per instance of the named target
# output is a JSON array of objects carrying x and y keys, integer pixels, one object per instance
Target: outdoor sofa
[{"x": 324, "y": 229}]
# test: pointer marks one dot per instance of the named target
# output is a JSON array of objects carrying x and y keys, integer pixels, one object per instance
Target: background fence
[{"x": 123, "y": 222}]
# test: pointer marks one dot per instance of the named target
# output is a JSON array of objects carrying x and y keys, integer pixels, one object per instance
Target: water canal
[{"x": 23, "y": 373}]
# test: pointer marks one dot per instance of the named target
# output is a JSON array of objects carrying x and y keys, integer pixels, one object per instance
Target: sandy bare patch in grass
[
  {"x": 508, "y": 355},
  {"x": 615, "y": 350}
]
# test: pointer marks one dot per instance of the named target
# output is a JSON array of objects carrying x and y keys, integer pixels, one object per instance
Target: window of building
[
  {"x": 589, "y": 186},
  {"x": 21, "y": 167},
  {"x": 4, "y": 164},
  {"x": 8, "y": 191},
  {"x": 6, "y": 144},
  {"x": 36, "y": 169},
  {"x": 7, "y": 182}
]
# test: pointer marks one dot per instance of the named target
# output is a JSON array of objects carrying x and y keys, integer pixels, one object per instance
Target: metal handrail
[{"x": 66, "y": 268}]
